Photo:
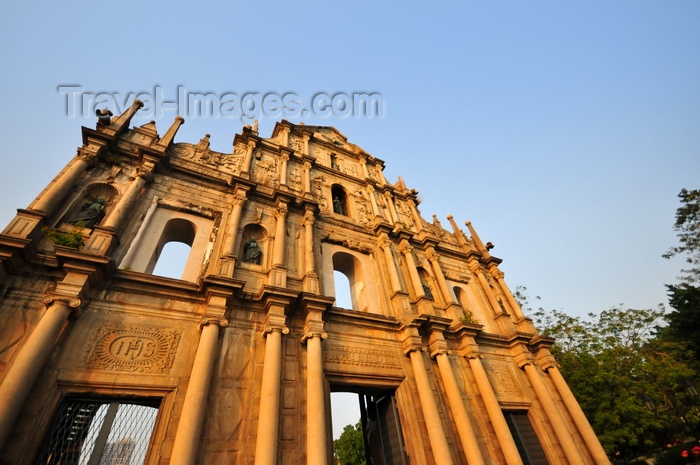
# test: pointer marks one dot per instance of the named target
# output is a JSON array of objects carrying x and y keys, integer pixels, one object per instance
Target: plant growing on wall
[{"x": 73, "y": 239}]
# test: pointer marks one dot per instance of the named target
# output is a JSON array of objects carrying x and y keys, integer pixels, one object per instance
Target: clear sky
[{"x": 562, "y": 130}]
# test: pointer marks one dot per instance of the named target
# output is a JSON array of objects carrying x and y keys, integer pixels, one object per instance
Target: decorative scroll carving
[
  {"x": 362, "y": 357},
  {"x": 131, "y": 349}
]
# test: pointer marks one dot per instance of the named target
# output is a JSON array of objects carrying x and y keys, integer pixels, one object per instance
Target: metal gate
[{"x": 99, "y": 432}]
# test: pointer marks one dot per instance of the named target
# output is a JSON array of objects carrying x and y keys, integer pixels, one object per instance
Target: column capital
[
  {"x": 384, "y": 241},
  {"x": 221, "y": 322},
  {"x": 275, "y": 322},
  {"x": 411, "y": 344},
  {"x": 431, "y": 255},
  {"x": 71, "y": 302},
  {"x": 405, "y": 247},
  {"x": 524, "y": 360},
  {"x": 310, "y": 334}
]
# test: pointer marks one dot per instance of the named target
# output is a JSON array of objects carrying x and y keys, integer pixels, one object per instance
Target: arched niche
[
  {"x": 254, "y": 247},
  {"x": 92, "y": 206},
  {"x": 340, "y": 200}
]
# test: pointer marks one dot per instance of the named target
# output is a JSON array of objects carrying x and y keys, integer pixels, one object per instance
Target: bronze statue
[
  {"x": 252, "y": 253},
  {"x": 90, "y": 214}
]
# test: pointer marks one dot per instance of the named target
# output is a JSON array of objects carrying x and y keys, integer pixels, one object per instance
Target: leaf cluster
[
  {"x": 687, "y": 227},
  {"x": 73, "y": 239},
  {"x": 349, "y": 448}
]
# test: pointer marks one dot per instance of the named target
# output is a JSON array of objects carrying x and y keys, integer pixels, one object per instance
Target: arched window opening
[
  {"x": 425, "y": 282},
  {"x": 343, "y": 291},
  {"x": 171, "y": 260},
  {"x": 469, "y": 316},
  {"x": 340, "y": 200},
  {"x": 351, "y": 269}
]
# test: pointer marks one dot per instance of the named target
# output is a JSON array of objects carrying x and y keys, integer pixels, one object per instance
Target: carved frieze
[
  {"x": 131, "y": 349},
  {"x": 362, "y": 357}
]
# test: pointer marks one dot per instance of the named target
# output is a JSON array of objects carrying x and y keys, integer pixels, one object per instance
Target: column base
[
  {"x": 310, "y": 283},
  {"x": 277, "y": 277}
]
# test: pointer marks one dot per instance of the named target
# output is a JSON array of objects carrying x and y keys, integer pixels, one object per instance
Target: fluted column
[
  {"x": 57, "y": 191},
  {"x": 127, "y": 201},
  {"x": 437, "y": 270},
  {"x": 268, "y": 419},
  {"x": 436, "y": 433},
  {"x": 189, "y": 429},
  {"x": 373, "y": 200},
  {"x": 495, "y": 414},
  {"x": 407, "y": 251},
  {"x": 316, "y": 431},
  {"x": 385, "y": 245},
  {"x": 578, "y": 416},
  {"x": 459, "y": 411},
  {"x": 558, "y": 425},
  {"x": 280, "y": 233},
  {"x": 305, "y": 144},
  {"x": 30, "y": 360}
]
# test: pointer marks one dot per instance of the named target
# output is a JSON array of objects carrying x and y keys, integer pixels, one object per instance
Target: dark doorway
[{"x": 382, "y": 430}]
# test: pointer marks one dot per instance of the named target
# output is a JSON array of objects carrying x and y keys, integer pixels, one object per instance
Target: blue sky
[{"x": 562, "y": 130}]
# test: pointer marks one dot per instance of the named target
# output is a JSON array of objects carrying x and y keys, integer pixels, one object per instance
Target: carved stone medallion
[{"x": 131, "y": 349}]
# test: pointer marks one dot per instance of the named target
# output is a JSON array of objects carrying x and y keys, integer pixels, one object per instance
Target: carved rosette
[
  {"x": 131, "y": 349},
  {"x": 503, "y": 379}
]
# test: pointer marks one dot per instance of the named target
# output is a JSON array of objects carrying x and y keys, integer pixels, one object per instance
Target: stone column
[
  {"x": 498, "y": 276},
  {"x": 558, "y": 425},
  {"x": 31, "y": 359},
  {"x": 476, "y": 269},
  {"x": 189, "y": 429},
  {"x": 407, "y": 251},
  {"x": 309, "y": 242},
  {"x": 495, "y": 414},
  {"x": 436, "y": 434},
  {"x": 57, "y": 191},
  {"x": 248, "y": 159},
  {"x": 392, "y": 208},
  {"x": 440, "y": 351},
  {"x": 578, "y": 416},
  {"x": 127, "y": 201},
  {"x": 385, "y": 245},
  {"x": 284, "y": 158},
  {"x": 305, "y": 144},
  {"x": 414, "y": 215},
  {"x": 268, "y": 419},
  {"x": 316, "y": 431},
  {"x": 134, "y": 246},
  {"x": 373, "y": 200},
  {"x": 307, "y": 177},
  {"x": 433, "y": 259},
  {"x": 280, "y": 231},
  {"x": 230, "y": 247}
]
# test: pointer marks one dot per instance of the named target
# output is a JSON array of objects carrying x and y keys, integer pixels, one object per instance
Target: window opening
[
  {"x": 99, "y": 432},
  {"x": 343, "y": 291},
  {"x": 173, "y": 249},
  {"x": 525, "y": 438},
  {"x": 351, "y": 269}
]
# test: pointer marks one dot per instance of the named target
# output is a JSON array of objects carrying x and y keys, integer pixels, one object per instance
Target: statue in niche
[
  {"x": 334, "y": 162},
  {"x": 426, "y": 290},
  {"x": 252, "y": 253},
  {"x": 90, "y": 214},
  {"x": 338, "y": 206}
]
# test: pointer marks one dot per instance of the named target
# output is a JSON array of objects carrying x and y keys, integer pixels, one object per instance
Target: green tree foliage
[
  {"x": 684, "y": 320},
  {"x": 617, "y": 369},
  {"x": 349, "y": 448},
  {"x": 687, "y": 227}
]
